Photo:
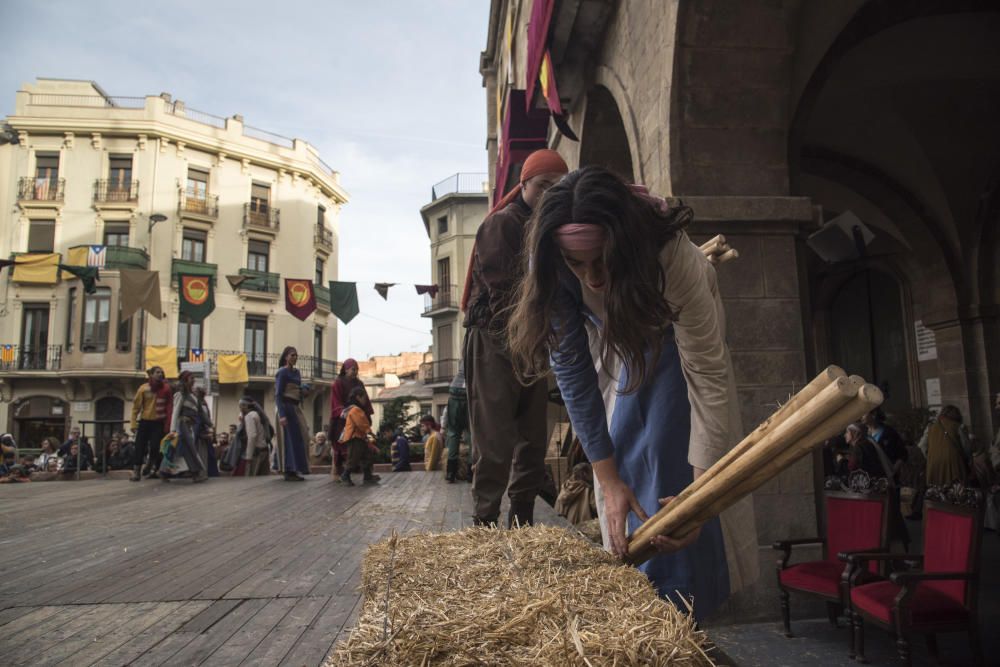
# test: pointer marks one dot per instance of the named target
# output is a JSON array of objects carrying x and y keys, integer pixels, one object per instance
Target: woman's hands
[
  {"x": 619, "y": 500},
  {"x": 283, "y": 421},
  {"x": 667, "y": 545}
]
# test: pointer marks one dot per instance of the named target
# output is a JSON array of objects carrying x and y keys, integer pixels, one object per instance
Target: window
[
  {"x": 96, "y": 320},
  {"x": 444, "y": 279},
  {"x": 34, "y": 335},
  {"x": 197, "y": 184},
  {"x": 70, "y": 318},
  {"x": 46, "y": 172},
  {"x": 188, "y": 336},
  {"x": 41, "y": 236},
  {"x": 260, "y": 198},
  {"x": 442, "y": 225},
  {"x": 123, "y": 335},
  {"x": 119, "y": 173},
  {"x": 193, "y": 245},
  {"x": 321, "y": 216},
  {"x": 319, "y": 272},
  {"x": 116, "y": 235},
  {"x": 255, "y": 344},
  {"x": 257, "y": 255},
  {"x": 317, "y": 349}
]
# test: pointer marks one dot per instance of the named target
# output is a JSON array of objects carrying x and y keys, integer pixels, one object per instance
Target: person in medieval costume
[
  {"x": 291, "y": 450},
  {"x": 151, "y": 411},
  {"x": 188, "y": 452},
  {"x": 249, "y": 453},
  {"x": 627, "y": 311},
  {"x": 347, "y": 380},
  {"x": 456, "y": 422}
]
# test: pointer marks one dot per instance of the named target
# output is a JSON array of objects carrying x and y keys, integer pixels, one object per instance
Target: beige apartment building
[
  {"x": 457, "y": 208},
  {"x": 165, "y": 188}
]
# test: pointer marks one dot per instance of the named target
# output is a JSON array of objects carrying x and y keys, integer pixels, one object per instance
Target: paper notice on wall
[
  {"x": 80, "y": 406},
  {"x": 926, "y": 342},
  {"x": 933, "y": 392}
]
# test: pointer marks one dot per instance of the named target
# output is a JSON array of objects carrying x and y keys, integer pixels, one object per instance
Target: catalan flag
[
  {"x": 7, "y": 354},
  {"x": 196, "y": 354}
]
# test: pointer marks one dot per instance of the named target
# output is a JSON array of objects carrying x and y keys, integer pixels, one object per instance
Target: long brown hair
[{"x": 637, "y": 313}]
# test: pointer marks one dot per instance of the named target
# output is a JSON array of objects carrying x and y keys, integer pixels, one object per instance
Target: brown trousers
[{"x": 508, "y": 427}]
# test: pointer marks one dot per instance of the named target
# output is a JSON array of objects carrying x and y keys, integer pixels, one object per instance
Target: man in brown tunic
[{"x": 508, "y": 420}]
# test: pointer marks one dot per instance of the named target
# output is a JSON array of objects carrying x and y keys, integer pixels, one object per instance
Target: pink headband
[{"x": 580, "y": 237}]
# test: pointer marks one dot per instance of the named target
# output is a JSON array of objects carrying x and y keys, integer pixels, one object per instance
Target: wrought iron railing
[
  {"x": 116, "y": 191},
  {"x": 324, "y": 237},
  {"x": 461, "y": 183},
  {"x": 264, "y": 217},
  {"x": 99, "y": 101},
  {"x": 181, "y": 110},
  {"x": 41, "y": 189},
  {"x": 264, "y": 364},
  {"x": 269, "y": 137},
  {"x": 198, "y": 203},
  {"x": 442, "y": 371},
  {"x": 30, "y": 358},
  {"x": 124, "y": 257},
  {"x": 445, "y": 299},
  {"x": 260, "y": 281}
]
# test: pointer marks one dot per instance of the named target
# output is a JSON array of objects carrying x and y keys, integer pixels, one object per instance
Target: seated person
[
  {"x": 8, "y": 448},
  {"x": 401, "y": 445},
  {"x": 74, "y": 456},
  {"x": 48, "y": 460}
]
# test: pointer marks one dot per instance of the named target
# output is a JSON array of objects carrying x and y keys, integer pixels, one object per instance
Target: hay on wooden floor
[{"x": 532, "y": 596}]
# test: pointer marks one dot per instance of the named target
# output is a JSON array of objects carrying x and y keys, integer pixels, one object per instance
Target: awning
[{"x": 523, "y": 133}]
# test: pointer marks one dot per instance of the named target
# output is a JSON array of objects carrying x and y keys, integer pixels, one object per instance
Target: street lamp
[{"x": 155, "y": 218}]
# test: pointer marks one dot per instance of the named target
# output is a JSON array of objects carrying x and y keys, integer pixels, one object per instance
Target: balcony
[
  {"x": 439, "y": 372},
  {"x": 198, "y": 205},
  {"x": 445, "y": 302},
  {"x": 259, "y": 284},
  {"x": 116, "y": 194},
  {"x": 462, "y": 183},
  {"x": 30, "y": 358},
  {"x": 323, "y": 238},
  {"x": 124, "y": 257},
  {"x": 265, "y": 365},
  {"x": 322, "y": 297},
  {"x": 189, "y": 268},
  {"x": 261, "y": 218},
  {"x": 41, "y": 191}
]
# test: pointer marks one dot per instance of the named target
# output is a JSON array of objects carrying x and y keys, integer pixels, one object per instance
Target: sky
[{"x": 389, "y": 92}]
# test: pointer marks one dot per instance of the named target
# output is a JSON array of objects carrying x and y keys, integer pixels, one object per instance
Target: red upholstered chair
[
  {"x": 942, "y": 596},
  {"x": 855, "y": 521}
]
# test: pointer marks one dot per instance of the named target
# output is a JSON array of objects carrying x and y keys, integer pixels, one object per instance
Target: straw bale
[{"x": 539, "y": 595}]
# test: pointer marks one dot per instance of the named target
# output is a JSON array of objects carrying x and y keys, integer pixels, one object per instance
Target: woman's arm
[
  {"x": 692, "y": 293},
  {"x": 280, "y": 381}
]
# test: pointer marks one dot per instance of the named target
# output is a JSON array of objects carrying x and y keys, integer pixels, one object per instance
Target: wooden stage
[{"x": 233, "y": 571}]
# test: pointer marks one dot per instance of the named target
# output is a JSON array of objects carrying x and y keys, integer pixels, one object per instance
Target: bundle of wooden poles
[
  {"x": 718, "y": 250},
  {"x": 823, "y": 408}
]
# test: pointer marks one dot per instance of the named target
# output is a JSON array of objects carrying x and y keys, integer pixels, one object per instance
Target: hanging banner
[
  {"x": 300, "y": 298},
  {"x": 140, "y": 289},
  {"x": 197, "y": 298},
  {"x": 344, "y": 300},
  {"x": 383, "y": 290}
]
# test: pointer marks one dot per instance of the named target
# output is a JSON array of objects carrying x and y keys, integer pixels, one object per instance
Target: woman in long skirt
[
  {"x": 292, "y": 432},
  {"x": 187, "y": 427},
  {"x": 627, "y": 309}
]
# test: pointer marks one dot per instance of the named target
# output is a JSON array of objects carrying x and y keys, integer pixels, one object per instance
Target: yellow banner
[
  {"x": 232, "y": 368},
  {"x": 164, "y": 356},
  {"x": 74, "y": 257},
  {"x": 40, "y": 268}
]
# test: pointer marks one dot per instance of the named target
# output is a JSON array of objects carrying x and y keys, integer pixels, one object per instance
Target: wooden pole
[
  {"x": 796, "y": 425},
  {"x": 794, "y": 404},
  {"x": 867, "y": 398}
]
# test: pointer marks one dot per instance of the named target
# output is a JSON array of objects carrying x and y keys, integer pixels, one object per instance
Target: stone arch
[
  {"x": 609, "y": 90},
  {"x": 38, "y": 416}
]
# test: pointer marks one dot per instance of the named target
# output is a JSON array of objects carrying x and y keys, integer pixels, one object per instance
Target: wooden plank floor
[{"x": 233, "y": 571}]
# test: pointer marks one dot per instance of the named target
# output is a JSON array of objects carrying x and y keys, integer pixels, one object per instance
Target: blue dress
[
  {"x": 287, "y": 398},
  {"x": 649, "y": 437}
]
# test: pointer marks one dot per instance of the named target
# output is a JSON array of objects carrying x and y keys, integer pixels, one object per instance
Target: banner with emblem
[
  {"x": 300, "y": 297},
  {"x": 197, "y": 296}
]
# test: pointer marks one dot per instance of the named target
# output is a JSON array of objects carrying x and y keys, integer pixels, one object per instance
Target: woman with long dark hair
[
  {"x": 188, "y": 424},
  {"x": 346, "y": 382},
  {"x": 628, "y": 310},
  {"x": 290, "y": 452}
]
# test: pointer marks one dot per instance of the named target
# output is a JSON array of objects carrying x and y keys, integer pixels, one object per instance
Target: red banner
[{"x": 300, "y": 297}]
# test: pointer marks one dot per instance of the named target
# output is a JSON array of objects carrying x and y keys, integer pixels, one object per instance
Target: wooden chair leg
[
  {"x": 786, "y": 613},
  {"x": 859, "y": 637},
  {"x": 932, "y": 646},
  {"x": 833, "y": 612},
  {"x": 903, "y": 648},
  {"x": 975, "y": 644}
]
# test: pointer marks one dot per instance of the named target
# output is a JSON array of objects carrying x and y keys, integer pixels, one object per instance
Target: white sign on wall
[
  {"x": 926, "y": 342},
  {"x": 81, "y": 406},
  {"x": 933, "y": 392}
]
